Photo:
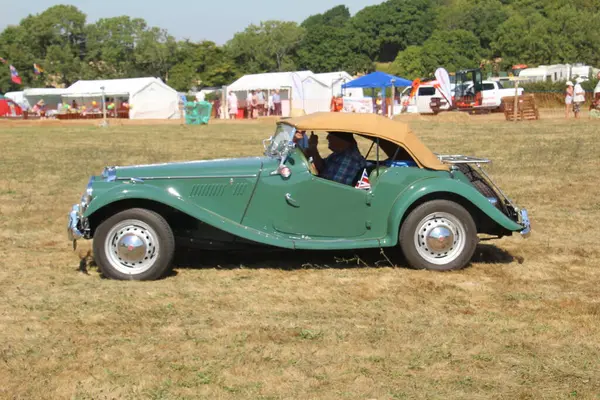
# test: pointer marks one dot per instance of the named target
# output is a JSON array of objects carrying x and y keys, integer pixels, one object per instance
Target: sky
[{"x": 216, "y": 20}]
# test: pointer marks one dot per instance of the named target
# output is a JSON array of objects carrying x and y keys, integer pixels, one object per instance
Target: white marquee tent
[
  {"x": 150, "y": 98},
  {"x": 51, "y": 96},
  {"x": 335, "y": 80},
  {"x": 317, "y": 95},
  {"x": 288, "y": 83}
]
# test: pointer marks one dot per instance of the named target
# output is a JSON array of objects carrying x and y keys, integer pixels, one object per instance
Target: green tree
[
  {"x": 201, "y": 64},
  {"x": 336, "y": 16},
  {"x": 154, "y": 53},
  {"x": 54, "y": 39},
  {"x": 13, "y": 48},
  {"x": 452, "y": 50},
  {"x": 524, "y": 39},
  {"x": 270, "y": 46},
  {"x": 481, "y": 17},
  {"x": 329, "y": 44},
  {"x": 63, "y": 64},
  {"x": 411, "y": 63},
  {"x": 60, "y": 25},
  {"x": 385, "y": 29},
  {"x": 111, "y": 44}
]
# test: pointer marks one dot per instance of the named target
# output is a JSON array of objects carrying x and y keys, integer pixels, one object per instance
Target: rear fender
[
  {"x": 129, "y": 191},
  {"x": 427, "y": 187}
]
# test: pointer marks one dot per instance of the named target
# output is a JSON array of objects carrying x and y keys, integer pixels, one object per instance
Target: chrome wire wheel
[
  {"x": 132, "y": 247},
  {"x": 440, "y": 238}
]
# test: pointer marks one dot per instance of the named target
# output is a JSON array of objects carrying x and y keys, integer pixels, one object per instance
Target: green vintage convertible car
[{"x": 432, "y": 206}]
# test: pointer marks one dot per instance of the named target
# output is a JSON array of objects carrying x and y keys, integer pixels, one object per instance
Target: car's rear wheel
[
  {"x": 135, "y": 244},
  {"x": 438, "y": 235}
]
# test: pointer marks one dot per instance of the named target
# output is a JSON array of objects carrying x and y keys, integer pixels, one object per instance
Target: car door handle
[{"x": 291, "y": 202}]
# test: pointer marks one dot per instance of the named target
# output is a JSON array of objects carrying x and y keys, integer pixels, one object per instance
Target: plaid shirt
[{"x": 343, "y": 167}]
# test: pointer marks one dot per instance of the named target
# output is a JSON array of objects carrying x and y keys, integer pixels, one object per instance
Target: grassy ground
[{"x": 520, "y": 323}]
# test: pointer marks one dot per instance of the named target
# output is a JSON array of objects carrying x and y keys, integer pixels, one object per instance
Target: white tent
[
  {"x": 150, "y": 98},
  {"x": 316, "y": 95},
  {"x": 19, "y": 98},
  {"x": 289, "y": 84},
  {"x": 51, "y": 96},
  {"x": 335, "y": 80}
]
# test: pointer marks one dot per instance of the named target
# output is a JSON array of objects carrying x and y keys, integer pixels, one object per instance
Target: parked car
[
  {"x": 431, "y": 206},
  {"x": 492, "y": 94}
]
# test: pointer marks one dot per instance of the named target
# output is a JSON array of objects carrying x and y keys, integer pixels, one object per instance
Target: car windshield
[{"x": 281, "y": 141}]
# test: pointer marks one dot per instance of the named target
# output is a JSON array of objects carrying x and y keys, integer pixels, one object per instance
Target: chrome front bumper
[
  {"x": 525, "y": 222},
  {"x": 77, "y": 226}
]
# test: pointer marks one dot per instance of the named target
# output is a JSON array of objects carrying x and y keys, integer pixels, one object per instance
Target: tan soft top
[{"x": 370, "y": 125}]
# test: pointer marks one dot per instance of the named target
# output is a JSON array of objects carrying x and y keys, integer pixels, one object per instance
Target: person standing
[
  {"x": 595, "y": 106},
  {"x": 249, "y": 104},
  {"x": 568, "y": 98},
  {"x": 578, "y": 98},
  {"x": 270, "y": 107},
  {"x": 261, "y": 103},
  {"x": 254, "y": 104},
  {"x": 232, "y": 103},
  {"x": 277, "y": 102}
]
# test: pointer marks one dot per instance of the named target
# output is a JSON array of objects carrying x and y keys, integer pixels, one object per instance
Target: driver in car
[{"x": 345, "y": 161}]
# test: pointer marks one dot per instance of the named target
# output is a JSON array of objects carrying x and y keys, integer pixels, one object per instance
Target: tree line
[{"x": 412, "y": 38}]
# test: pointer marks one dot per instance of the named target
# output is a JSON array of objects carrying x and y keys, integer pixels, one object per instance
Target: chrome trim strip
[
  {"x": 461, "y": 159},
  {"x": 187, "y": 162},
  {"x": 185, "y": 177}
]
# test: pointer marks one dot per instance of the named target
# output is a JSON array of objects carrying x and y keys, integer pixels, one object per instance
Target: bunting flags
[
  {"x": 37, "y": 69},
  {"x": 14, "y": 75}
]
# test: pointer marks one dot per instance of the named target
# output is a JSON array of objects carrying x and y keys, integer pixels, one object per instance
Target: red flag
[{"x": 14, "y": 75}]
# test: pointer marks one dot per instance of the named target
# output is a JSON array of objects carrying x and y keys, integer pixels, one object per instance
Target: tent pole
[
  {"x": 393, "y": 99},
  {"x": 104, "y": 122}
]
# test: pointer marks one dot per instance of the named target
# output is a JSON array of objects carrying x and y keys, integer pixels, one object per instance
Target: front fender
[
  {"x": 145, "y": 191},
  {"x": 444, "y": 185}
]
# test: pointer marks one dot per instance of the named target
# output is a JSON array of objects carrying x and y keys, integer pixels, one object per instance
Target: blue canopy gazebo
[{"x": 378, "y": 80}]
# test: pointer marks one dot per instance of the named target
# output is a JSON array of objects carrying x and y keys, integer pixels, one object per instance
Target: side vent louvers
[
  {"x": 208, "y": 190},
  {"x": 239, "y": 189},
  {"x": 218, "y": 189}
]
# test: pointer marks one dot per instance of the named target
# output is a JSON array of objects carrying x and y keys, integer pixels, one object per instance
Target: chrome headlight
[{"x": 87, "y": 196}]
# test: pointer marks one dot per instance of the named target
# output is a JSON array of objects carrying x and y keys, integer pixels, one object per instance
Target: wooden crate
[{"x": 526, "y": 108}]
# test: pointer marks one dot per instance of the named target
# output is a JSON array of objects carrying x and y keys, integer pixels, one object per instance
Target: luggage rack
[{"x": 460, "y": 159}]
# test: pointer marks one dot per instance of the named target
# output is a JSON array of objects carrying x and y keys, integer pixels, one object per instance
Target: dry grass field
[{"x": 521, "y": 322}]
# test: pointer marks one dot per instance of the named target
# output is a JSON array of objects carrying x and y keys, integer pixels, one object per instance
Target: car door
[
  {"x": 490, "y": 95},
  {"x": 323, "y": 208},
  {"x": 424, "y": 95},
  {"x": 304, "y": 204}
]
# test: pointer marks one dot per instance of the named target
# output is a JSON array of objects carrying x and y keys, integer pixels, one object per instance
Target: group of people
[
  {"x": 258, "y": 103},
  {"x": 575, "y": 97}
]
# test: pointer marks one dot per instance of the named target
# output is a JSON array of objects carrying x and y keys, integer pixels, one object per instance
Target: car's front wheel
[
  {"x": 135, "y": 244},
  {"x": 438, "y": 235}
]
